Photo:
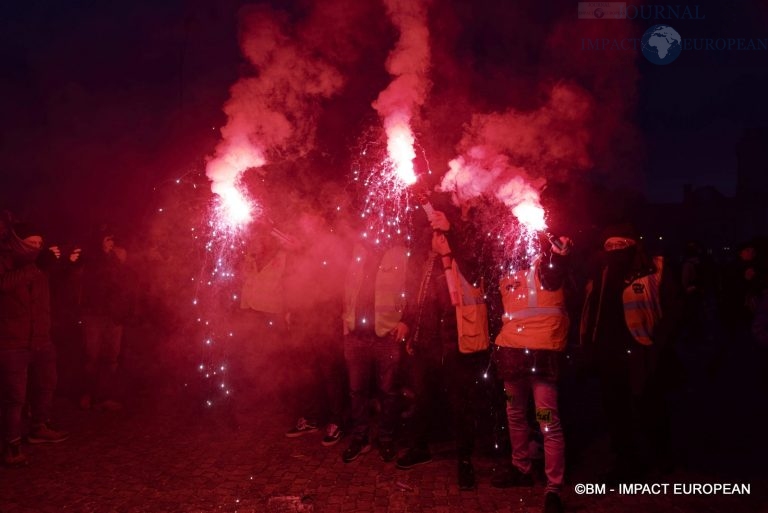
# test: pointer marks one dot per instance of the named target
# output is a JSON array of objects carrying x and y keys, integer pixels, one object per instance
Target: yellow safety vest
[
  {"x": 264, "y": 289},
  {"x": 389, "y": 297}
]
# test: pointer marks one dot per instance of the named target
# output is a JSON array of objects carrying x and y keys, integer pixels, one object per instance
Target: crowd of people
[
  {"x": 478, "y": 353},
  {"x": 38, "y": 280},
  {"x": 433, "y": 339}
]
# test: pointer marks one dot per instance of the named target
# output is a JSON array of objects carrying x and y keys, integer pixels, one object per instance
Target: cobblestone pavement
[{"x": 168, "y": 458}]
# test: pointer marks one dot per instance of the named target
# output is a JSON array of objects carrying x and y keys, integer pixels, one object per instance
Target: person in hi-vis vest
[
  {"x": 527, "y": 353},
  {"x": 448, "y": 351},
  {"x": 626, "y": 326},
  {"x": 374, "y": 333}
]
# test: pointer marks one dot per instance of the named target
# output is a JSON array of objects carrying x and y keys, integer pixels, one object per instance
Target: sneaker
[
  {"x": 12, "y": 455},
  {"x": 302, "y": 427},
  {"x": 355, "y": 449},
  {"x": 466, "y": 475},
  {"x": 387, "y": 450},
  {"x": 509, "y": 476},
  {"x": 45, "y": 434},
  {"x": 552, "y": 503},
  {"x": 413, "y": 458},
  {"x": 332, "y": 435}
]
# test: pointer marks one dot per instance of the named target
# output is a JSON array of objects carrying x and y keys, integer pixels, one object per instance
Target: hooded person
[
  {"x": 624, "y": 325},
  {"x": 25, "y": 243},
  {"x": 105, "y": 303},
  {"x": 27, "y": 356}
]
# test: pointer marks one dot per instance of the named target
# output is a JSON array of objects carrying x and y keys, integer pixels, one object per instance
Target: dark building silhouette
[{"x": 718, "y": 222}]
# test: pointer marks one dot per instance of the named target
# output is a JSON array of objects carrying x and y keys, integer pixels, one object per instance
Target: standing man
[
  {"x": 528, "y": 352},
  {"x": 625, "y": 324},
  {"x": 374, "y": 334},
  {"x": 27, "y": 354},
  {"x": 105, "y": 304},
  {"x": 449, "y": 346},
  {"x": 263, "y": 318}
]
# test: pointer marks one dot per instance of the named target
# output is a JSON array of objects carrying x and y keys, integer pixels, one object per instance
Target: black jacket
[{"x": 25, "y": 304}]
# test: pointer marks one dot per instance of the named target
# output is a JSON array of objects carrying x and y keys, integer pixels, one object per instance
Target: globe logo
[
  {"x": 661, "y": 44},
  {"x": 599, "y": 13}
]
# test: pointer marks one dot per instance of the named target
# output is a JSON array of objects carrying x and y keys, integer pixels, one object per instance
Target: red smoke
[
  {"x": 275, "y": 108},
  {"x": 514, "y": 87},
  {"x": 514, "y": 136},
  {"x": 401, "y": 100},
  {"x": 510, "y": 155}
]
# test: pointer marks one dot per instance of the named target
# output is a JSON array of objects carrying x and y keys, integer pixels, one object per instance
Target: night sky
[{"x": 102, "y": 102}]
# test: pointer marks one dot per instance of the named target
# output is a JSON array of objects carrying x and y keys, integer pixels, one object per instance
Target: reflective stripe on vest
[
  {"x": 470, "y": 295},
  {"x": 533, "y": 311},
  {"x": 642, "y": 306},
  {"x": 537, "y": 320}
]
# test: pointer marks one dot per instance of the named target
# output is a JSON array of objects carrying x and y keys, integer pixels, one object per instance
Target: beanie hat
[{"x": 24, "y": 230}]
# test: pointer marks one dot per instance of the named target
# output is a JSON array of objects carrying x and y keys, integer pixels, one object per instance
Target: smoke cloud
[
  {"x": 274, "y": 109},
  {"x": 508, "y": 112},
  {"x": 409, "y": 64},
  {"x": 510, "y": 155}
]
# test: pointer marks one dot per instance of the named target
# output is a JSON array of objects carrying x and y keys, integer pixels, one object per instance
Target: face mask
[{"x": 620, "y": 258}]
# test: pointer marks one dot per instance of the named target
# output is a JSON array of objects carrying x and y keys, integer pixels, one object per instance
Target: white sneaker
[
  {"x": 302, "y": 427},
  {"x": 332, "y": 435}
]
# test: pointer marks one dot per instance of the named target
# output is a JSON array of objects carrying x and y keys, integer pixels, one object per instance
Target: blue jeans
[
  {"x": 366, "y": 356},
  {"x": 13, "y": 390},
  {"x": 545, "y": 398}
]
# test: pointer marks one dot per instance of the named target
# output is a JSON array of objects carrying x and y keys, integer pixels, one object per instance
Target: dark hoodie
[
  {"x": 106, "y": 287},
  {"x": 25, "y": 304}
]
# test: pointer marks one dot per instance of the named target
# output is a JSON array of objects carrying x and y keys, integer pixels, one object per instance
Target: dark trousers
[
  {"x": 461, "y": 380},
  {"x": 328, "y": 389},
  {"x": 635, "y": 408},
  {"x": 22, "y": 370},
  {"x": 103, "y": 340},
  {"x": 368, "y": 357},
  {"x": 13, "y": 390},
  {"x": 42, "y": 382}
]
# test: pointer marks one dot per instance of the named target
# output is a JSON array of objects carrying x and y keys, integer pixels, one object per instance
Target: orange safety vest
[
  {"x": 534, "y": 318},
  {"x": 471, "y": 311},
  {"x": 642, "y": 305}
]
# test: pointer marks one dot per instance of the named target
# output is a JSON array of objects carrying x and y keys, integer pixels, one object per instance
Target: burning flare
[
  {"x": 236, "y": 209},
  {"x": 408, "y": 63},
  {"x": 523, "y": 200},
  {"x": 510, "y": 155},
  {"x": 271, "y": 110},
  {"x": 481, "y": 172},
  {"x": 400, "y": 148}
]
